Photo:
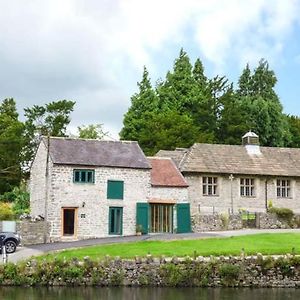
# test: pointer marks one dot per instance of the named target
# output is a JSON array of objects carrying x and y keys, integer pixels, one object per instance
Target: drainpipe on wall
[
  {"x": 46, "y": 190},
  {"x": 266, "y": 194}
]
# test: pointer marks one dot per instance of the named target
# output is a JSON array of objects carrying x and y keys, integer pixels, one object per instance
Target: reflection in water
[{"x": 117, "y": 293}]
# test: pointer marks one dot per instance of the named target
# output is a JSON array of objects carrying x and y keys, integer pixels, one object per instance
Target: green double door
[
  {"x": 160, "y": 217},
  {"x": 115, "y": 220}
]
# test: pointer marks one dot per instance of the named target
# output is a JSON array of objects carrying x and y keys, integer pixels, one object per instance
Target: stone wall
[
  {"x": 271, "y": 221},
  {"x": 216, "y": 222},
  {"x": 258, "y": 271},
  {"x": 33, "y": 232}
]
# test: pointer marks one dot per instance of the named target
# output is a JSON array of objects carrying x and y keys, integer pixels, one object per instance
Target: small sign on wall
[{"x": 82, "y": 216}]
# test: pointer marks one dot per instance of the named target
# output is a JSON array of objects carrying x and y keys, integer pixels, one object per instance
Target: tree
[
  {"x": 91, "y": 131},
  {"x": 294, "y": 128},
  {"x": 51, "y": 119},
  {"x": 175, "y": 93},
  {"x": 143, "y": 102},
  {"x": 261, "y": 106},
  {"x": 11, "y": 144},
  {"x": 167, "y": 130}
]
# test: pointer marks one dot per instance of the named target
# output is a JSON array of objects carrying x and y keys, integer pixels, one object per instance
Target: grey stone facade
[
  {"x": 53, "y": 191},
  {"x": 226, "y": 199}
]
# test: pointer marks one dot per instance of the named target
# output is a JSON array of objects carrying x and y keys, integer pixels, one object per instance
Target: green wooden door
[
  {"x": 115, "y": 220},
  {"x": 142, "y": 215},
  {"x": 183, "y": 218}
]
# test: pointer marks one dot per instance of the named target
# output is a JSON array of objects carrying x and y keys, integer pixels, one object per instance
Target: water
[{"x": 17, "y": 293}]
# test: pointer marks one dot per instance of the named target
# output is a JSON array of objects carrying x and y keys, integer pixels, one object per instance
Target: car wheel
[{"x": 10, "y": 247}]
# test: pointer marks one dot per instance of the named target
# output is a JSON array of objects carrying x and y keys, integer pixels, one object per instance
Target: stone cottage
[
  {"x": 167, "y": 208},
  {"x": 91, "y": 188},
  {"x": 226, "y": 178},
  {"x": 88, "y": 188}
]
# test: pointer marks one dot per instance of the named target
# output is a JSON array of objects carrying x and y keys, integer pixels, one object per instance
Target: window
[
  {"x": 283, "y": 188},
  {"x": 84, "y": 176},
  {"x": 115, "y": 189},
  {"x": 247, "y": 187},
  {"x": 210, "y": 186}
]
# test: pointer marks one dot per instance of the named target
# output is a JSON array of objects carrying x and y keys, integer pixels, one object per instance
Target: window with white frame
[
  {"x": 283, "y": 188},
  {"x": 210, "y": 186},
  {"x": 247, "y": 187}
]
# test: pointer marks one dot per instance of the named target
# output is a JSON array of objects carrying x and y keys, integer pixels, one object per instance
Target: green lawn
[{"x": 276, "y": 243}]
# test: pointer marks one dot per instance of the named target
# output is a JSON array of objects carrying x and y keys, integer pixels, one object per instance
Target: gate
[{"x": 249, "y": 219}]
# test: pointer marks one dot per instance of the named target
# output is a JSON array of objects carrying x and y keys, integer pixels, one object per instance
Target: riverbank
[{"x": 254, "y": 271}]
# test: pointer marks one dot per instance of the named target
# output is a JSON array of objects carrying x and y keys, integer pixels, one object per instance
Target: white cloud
[{"x": 93, "y": 51}]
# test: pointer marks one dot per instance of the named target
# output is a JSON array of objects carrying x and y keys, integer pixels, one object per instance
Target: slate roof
[
  {"x": 227, "y": 159},
  {"x": 177, "y": 155},
  {"x": 165, "y": 173},
  {"x": 85, "y": 152}
]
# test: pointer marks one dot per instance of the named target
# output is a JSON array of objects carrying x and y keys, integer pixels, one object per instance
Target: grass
[{"x": 267, "y": 244}]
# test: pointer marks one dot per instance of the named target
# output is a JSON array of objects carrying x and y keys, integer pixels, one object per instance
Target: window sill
[{"x": 210, "y": 195}]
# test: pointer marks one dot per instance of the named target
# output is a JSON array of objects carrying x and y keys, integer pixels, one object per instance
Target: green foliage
[
  {"x": 51, "y": 119},
  {"x": 187, "y": 107},
  {"x": 92, "y": 131},
  {"x": 294, "y": 128},
  {"x": 285, "y": 266},
  {"x": 19, "y": 197},
  {"x": 261, "y": 107},
  {"x": 225, "y": 221},
  {"x": 6, "y": 212},
  {"x": 285, "y": 214},
  {"x": 21, "y": 203},
  {"x": 229, "y": 274},
  {"x": 11, "y": 144}
]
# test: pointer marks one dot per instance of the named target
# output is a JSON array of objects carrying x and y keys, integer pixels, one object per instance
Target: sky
[{"x": 93, "y": 51}]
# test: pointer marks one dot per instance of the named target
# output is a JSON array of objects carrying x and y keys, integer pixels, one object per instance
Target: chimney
[{"x": 251, "y": 141}]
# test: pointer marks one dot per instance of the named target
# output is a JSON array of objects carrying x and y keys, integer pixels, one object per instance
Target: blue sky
[{"x": 93, "y": 52}]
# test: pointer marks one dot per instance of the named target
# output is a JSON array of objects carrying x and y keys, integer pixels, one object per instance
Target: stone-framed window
[
  {"x": 115, "y": 189},
  {"x": 247, "y": 187},
  {"x": 210, "y": 186},
  {"x": 83, "y": 176},
  {"x": 283, "y": 188}
]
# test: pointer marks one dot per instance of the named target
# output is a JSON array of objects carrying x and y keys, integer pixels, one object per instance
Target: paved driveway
[{"x": 23, "y": 253}]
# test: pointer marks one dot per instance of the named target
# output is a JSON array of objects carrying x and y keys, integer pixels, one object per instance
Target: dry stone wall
[{"x": 240, "y": 271}]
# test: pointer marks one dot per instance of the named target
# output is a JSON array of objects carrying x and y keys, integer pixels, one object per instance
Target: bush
[
  {"x": 282, "y": 213},
  {"x": 229, "y": 274},
  {"x": 6, "y": 212},
  {"x": 19, "y": 197}
]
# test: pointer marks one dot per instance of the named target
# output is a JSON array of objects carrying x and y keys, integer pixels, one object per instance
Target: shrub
[
  {"x": 225, "y": 220},
  {"x": 22, "y": 200},
  {"x": 6, "y": 212},
  {"x": 282, "y": 213},
  {"x": 229, "y": 274}
]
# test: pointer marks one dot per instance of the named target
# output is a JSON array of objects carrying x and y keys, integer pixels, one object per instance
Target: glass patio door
[{"x": 161, "y": 218}]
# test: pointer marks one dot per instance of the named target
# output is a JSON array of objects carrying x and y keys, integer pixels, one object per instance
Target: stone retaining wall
[
  {"x": 216, "y": 222},
  {"x": 240, "y": 271},
  {"x": 271, "y": 221}
]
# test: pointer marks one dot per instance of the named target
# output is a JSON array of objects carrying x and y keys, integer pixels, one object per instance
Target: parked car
[{"x": 10, "y": 240}]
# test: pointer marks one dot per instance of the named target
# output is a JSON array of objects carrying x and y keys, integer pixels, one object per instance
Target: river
[{"x": 125, "y": 293}]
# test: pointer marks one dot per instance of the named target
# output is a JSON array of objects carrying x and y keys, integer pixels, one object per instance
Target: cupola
[
  {"x": 250, "y": 138},
  {"x": 251, "y": 141}
]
